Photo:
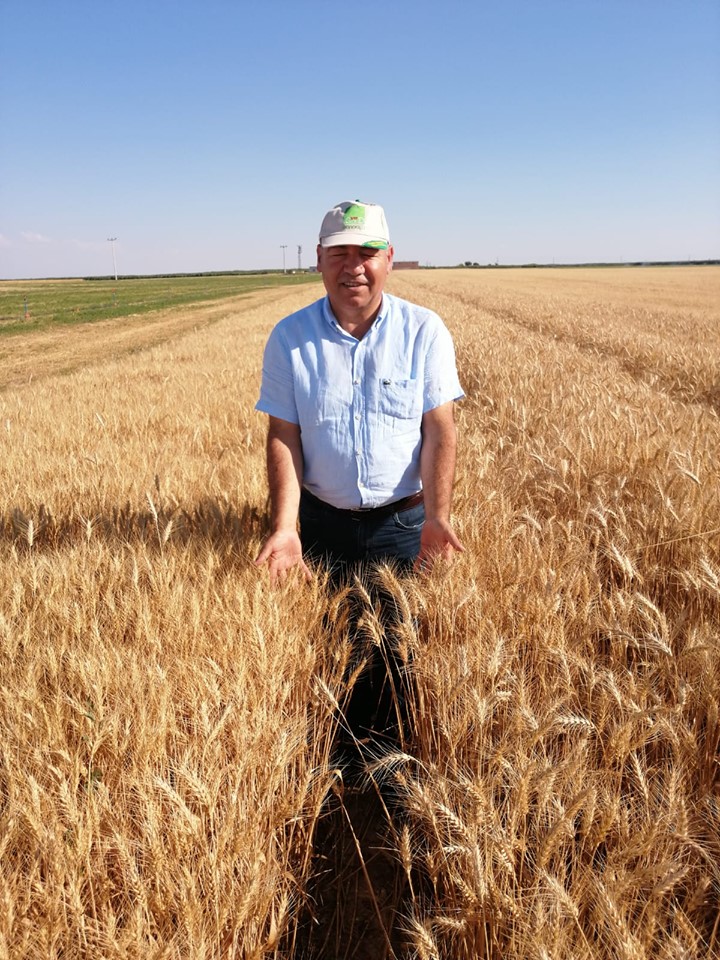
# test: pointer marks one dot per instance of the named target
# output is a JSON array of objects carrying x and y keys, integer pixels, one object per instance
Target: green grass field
[{"x": 35, "y": 305}]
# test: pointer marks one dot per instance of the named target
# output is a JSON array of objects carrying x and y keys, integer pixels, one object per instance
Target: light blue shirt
[{"x": 359, "y": 403}]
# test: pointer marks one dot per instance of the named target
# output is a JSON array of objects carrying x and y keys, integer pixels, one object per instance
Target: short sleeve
[
  {"x": 442, "y": 383},
  {"x": 277, "y": 393}
]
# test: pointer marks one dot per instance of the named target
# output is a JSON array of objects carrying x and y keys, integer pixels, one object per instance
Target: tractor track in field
[
  {"x": 679, "y": 385},
  {"x": 692, "y": 381},
  {"x": 29, "y": 357}
]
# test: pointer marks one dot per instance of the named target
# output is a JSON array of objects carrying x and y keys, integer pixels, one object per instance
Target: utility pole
[
  {"x": 299, "y": 257},
  {"x": 111, "y": 241},
  {"x": 284, "y": 248}
]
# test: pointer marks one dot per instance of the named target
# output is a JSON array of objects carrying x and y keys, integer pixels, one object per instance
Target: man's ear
[
  {"x": 390, "y": 255},
  {"x": 319, "y": 256}
]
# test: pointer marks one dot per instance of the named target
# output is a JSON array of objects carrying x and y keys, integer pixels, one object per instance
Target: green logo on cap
[{"x": 354, "y": 217}]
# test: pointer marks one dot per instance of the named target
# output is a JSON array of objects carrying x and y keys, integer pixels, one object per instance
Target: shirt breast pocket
[{"x": 400, "y": 399}]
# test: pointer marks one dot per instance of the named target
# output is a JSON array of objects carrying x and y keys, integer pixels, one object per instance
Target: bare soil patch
[{"x": 358, "y": 889}]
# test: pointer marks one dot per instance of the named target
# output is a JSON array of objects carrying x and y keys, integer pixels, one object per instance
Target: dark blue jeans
[{"x": 349, "y": 544}]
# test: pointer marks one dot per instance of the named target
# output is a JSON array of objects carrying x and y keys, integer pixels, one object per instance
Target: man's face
[{"x": 354, "y": 277}]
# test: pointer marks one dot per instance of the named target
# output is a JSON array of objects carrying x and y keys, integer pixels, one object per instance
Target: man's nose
[{"x": 353, "y": 261}]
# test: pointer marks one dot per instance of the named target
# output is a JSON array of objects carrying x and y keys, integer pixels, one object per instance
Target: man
[{"x": 359, "y": 388}]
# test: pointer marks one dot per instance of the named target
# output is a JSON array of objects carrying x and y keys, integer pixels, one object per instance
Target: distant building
[{"x": 406, "y": 264}]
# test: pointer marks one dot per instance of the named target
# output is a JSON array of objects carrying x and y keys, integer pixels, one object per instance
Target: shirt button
[
  {"x": 356, "y": 381},
  {"x": 357, "y": 416}
]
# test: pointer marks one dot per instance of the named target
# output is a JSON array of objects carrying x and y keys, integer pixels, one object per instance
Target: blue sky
[{"x": 203, "y": 135}]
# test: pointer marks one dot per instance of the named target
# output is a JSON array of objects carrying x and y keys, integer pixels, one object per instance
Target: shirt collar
[{"x": 330, "y": 318}]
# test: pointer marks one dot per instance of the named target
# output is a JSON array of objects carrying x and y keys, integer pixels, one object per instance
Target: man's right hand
[{"x": 282, "y": 551}]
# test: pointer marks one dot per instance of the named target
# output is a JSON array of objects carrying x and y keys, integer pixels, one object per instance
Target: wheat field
[{"x": 167, "y": 719}]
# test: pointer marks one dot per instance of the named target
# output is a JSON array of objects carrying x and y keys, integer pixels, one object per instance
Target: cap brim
[{"x": 353, "y": 239}]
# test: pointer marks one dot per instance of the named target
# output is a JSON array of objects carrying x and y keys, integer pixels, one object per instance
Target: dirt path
[
  {"x": 355, "y": 908},
  {"x": 26, "y": 357}
]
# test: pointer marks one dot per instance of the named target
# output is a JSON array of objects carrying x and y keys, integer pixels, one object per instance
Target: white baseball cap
[{"x": 357, "y": 224}]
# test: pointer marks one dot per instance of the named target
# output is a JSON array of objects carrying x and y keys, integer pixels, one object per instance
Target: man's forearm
[
  {"x": 282, "y": 549},
  {"x": 285, "y": 470},
  {"x": 437, "y": 471},
  {"x": 437, "y": 465}
]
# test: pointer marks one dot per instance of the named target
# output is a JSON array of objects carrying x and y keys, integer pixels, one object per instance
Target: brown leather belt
[{"x": 370, "y": 512}]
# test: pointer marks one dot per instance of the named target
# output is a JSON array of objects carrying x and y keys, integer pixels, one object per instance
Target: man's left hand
[{"x": 437, "y": 541}]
